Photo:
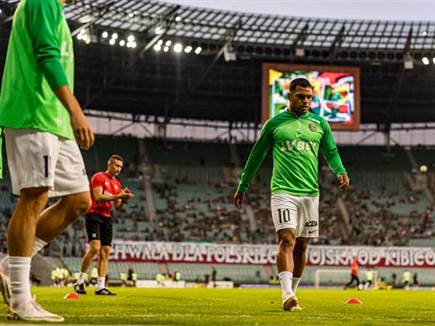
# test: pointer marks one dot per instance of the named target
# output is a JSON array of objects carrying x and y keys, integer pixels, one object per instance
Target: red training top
[
  {"x": 111, "y": 186},
  {"x": 354, "y": 267}
]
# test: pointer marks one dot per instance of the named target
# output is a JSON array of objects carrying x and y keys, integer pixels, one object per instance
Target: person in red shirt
[
  {"x": 353, "y": 273},
  {"x": 106, "y": 190}
]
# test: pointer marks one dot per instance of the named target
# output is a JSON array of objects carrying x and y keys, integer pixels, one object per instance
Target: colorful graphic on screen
[{"x": 334, "y": 93}]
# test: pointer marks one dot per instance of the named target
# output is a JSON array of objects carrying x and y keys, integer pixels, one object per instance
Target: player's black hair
[
  {"x": 302, "y": 82},
  {"x": 116, "y": 157}
]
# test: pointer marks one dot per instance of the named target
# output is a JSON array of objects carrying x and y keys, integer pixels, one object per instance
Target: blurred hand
[
  {"x": 125, "y": 194},
  {"x": 239, "y": 197},
  {"x": 344, "y": 181},
  {"x": 82, "y": 130}
]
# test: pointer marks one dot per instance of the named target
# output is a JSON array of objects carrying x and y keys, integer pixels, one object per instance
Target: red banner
[
  {"x": 371, "y": 256},
  {"x": 192, "y": 252}
]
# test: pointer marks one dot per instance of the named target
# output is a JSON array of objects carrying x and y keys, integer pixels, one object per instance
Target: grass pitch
[{"x": 240, "y": 307}]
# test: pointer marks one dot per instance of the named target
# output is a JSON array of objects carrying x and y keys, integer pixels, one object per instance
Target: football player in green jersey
[
  {"x": 295, "y": 136},
  {"x": 44, "y": 126}
]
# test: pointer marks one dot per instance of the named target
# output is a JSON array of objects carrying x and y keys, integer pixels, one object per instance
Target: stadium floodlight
[
  {"x": 84, "y": 35},
  {"x": 0, "y": 11},
  {"x": 425, "y": 60},
  {"x": 115, "y": 36},
  {"x": 229, "y": 53},
  {"x": 122, "y": 43},
  {"x": 112, "y": 41},
  {"x": 105, "y": 34},
  {"x": 157, "y": 47},
  {"x": 300, "y": 52},
  {"x": 166, "y": 49},
  {"x": 178, "y": 19},
  {"x": 198, "y": 50},
  {"x": 160, "y": 42},
  {"x": 131, "y": 44},
  {"x": 168, "y": 43},
  {"x": 178, "y": 47},
  {"x": 408, "y": 61},
  {"x": 130, "y": 38},
  {"x": 188, "y": 49},
  {"x": 433, "y": 60}
]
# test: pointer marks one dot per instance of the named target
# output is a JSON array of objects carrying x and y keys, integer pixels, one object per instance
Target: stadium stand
[
  {"x": 193, "y": 199},
  {"x": 194, "y": 202}
]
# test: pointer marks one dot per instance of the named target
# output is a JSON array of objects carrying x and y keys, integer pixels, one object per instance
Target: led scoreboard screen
[{"x": 336, "y": 92}]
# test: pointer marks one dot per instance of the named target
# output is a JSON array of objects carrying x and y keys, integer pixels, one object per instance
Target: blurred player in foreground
[
  {"x": 106, "y": 190},
  {"x": 295, "y": 136},
  {"x": 44, "y": 126}
]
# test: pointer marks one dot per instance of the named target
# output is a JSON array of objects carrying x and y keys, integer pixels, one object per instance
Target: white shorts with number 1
[
  {"x": 41, "y": 159},
  {"x": 296, "y": 212}
]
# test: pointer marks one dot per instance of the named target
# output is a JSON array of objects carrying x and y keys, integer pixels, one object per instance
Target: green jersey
[
  {"x": 39, "y": 61},
  {"x": 295, "y": 142}
]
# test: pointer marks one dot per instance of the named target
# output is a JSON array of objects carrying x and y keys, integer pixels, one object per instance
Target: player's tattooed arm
[
  {"x": 119, "y": 204},
  {"x": 101, "y": 197}
]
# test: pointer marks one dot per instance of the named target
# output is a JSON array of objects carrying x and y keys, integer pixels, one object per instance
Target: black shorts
[{"x": 99, "y": 228}]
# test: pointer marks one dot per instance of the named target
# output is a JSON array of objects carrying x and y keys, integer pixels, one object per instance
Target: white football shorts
[
  {"x": 296, "y": 212},
  {"x": 41, "y": 159}
]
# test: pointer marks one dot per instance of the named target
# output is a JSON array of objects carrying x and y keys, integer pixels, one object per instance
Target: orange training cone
[
  {"x": 353, "y": 301},
  {"x": 71, "y": 296}
]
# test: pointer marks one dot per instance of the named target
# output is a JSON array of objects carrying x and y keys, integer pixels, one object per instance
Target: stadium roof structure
[
  {"x": 210, "y": 25},
  {"x": 140, "y": 71}
]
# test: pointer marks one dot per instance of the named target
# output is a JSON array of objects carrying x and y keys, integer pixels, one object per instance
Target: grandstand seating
[
  {"x": 193, "y": 200},
  {"x": 374, "y": 158},
  {"x": 193, "y": 197},
  {"x": 188, "y": 153},
  {"x": 390, "y": 186},
  {"x": 105, "y": 146}
]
